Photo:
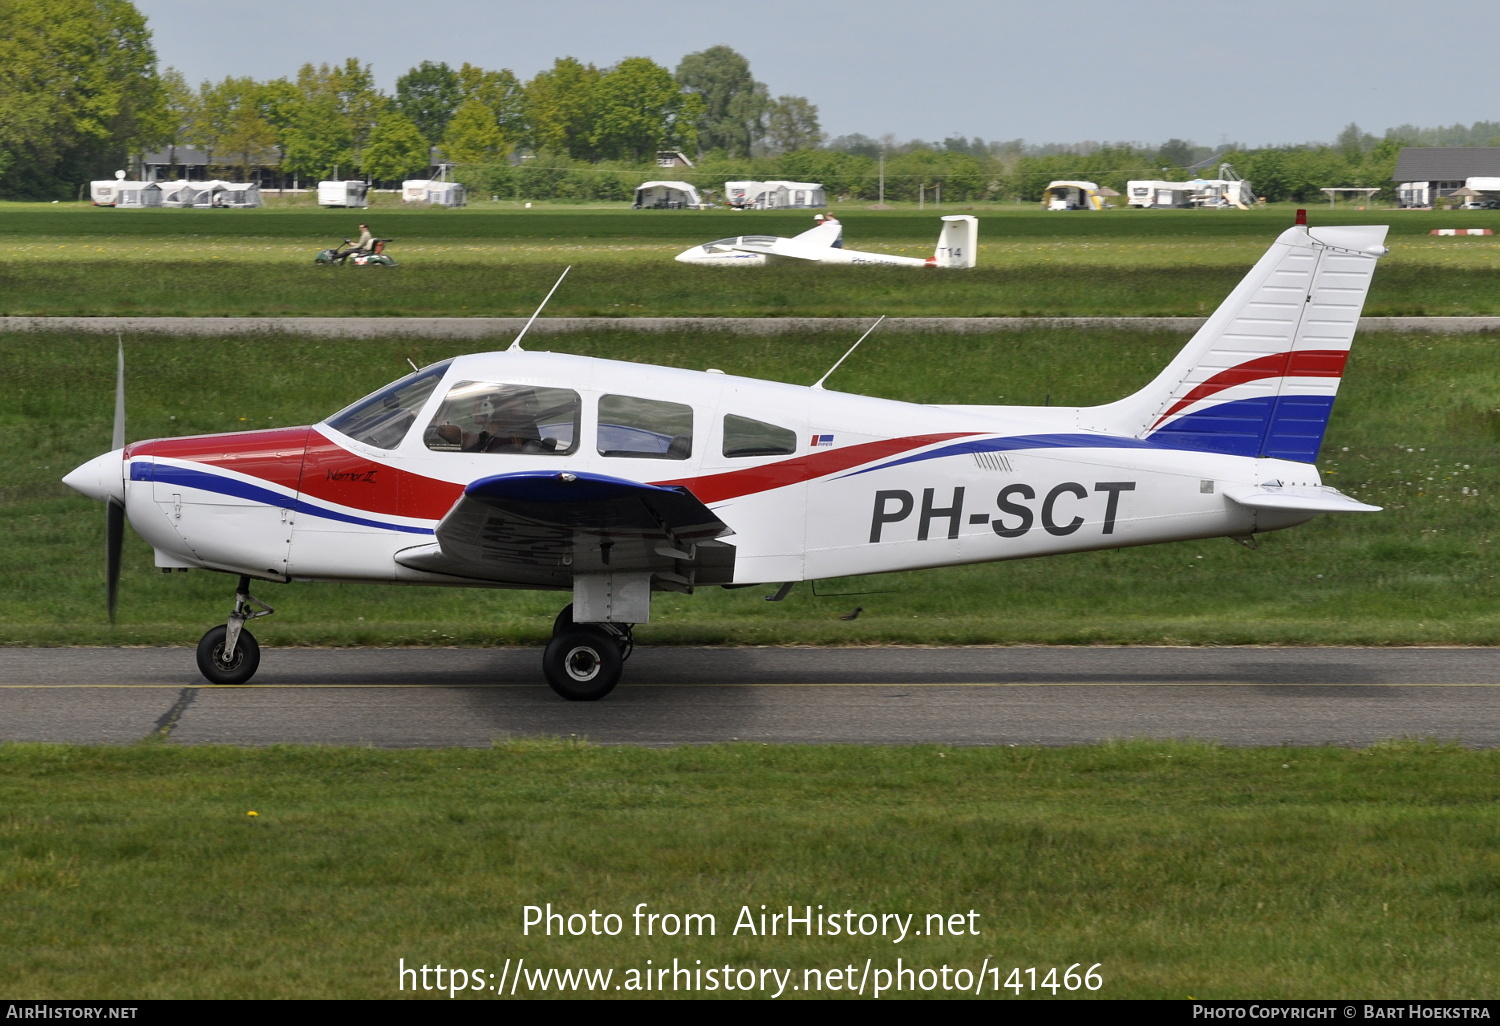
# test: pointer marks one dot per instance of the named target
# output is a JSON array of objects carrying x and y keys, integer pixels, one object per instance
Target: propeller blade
[
  {"x": 114, "y": 512},
  {"x": 119, "y": 436},
  {"x": 114, "y": 542}
]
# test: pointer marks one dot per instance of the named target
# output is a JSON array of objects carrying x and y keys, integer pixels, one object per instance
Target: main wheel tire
[
  {"x": 582, "y": 664},
  {"x": 216, "y": 669},
  {"x": 564, "y": 621}
]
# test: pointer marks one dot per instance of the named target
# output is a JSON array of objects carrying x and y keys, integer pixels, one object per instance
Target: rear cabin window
[
  {"x": 746, "y": 437},
  {"x": 488, "y": 416},
  {"x": 644, "y": 428},
  {"x": 382, "y": 419}
]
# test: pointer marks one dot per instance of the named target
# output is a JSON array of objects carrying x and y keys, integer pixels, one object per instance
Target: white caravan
[
  {"x": 343, "y": 194},
  {"x": 778, "y": 195},
  {"x": 1160, "y": 195}
]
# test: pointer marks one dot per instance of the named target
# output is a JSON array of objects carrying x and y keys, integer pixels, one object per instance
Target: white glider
[{"x": 957, "y": 246}]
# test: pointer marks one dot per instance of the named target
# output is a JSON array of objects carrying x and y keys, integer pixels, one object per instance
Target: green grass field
[
  {"x": 1414, "y": 430},
  {"x": 1179, "y": 869},
  {"x": 499, "y": 260}
]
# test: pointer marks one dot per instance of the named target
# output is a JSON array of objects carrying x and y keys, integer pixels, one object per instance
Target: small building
[
  {"x": 1426, "y": 174},
  {"x": 438, "y": 193},
  {"x": 778, "y": 195},
  {"x": 672, "y": 158},
  {"x": 343, "y": 194},
  {"x": 667, "y": 196},
  {"x": 1067, "y": 194}
]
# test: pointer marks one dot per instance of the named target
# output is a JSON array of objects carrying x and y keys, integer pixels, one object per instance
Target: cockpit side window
[
  {"x": 486, "y": 416},
  {"x": 382, "y": 419},
  {"x": 746, "y": 437},
  {"x": 648, "y": 428}
]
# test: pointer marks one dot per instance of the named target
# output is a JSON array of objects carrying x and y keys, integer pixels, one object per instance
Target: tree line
[{"x": 80, "y": 91}]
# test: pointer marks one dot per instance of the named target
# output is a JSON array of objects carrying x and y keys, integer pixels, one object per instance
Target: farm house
[
  {"x": 667, "y": 196},
  {"x": 342, "y": 194},
  {"x": 427, "y": 190},
  {"x": 775, "y": 195},
  {"x": 1427, "y": 174}
]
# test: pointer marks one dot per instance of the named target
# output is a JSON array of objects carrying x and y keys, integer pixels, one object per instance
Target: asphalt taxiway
[{"x": 959, "y": 696}]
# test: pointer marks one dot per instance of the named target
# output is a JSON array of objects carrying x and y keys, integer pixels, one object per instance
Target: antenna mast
[
  {"x": 516, "y": 345},
  {"x": 825, "y": 377}
]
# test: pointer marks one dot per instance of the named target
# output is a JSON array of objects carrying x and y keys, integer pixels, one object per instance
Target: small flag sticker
[{"x": 818, "y": 440}]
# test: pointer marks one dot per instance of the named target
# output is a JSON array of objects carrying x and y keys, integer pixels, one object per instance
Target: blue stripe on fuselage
[
  {"x": 1014, "y": 442},
  {"x": 142, "y": 470}
]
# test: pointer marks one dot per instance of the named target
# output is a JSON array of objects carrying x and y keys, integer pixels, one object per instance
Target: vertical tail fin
[
  {"x": 958, "y": 242},
  {"x": 1259, "y": 378}
]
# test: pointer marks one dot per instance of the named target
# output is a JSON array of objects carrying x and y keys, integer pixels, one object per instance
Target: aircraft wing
[
  {"x": 540, "y": 528},
  {"x": 790, "y": 248},
  {"x": 1306, "y": 500}
]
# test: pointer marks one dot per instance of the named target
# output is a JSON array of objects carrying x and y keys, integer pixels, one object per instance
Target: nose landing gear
[
  {"x": 583, "y": 661},
  {"x": 230, "y": 654}
]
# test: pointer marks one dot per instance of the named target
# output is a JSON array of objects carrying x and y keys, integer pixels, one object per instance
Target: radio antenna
[
  {"x": 819, "y": 383},
  {"x": 516, "y": 345}
]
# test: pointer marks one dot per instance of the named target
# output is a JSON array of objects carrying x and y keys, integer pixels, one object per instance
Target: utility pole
[{"x": 882, "y": 178}]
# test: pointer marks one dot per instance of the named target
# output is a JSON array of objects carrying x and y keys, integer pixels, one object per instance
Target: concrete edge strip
[{"x": 489, "y": 327}]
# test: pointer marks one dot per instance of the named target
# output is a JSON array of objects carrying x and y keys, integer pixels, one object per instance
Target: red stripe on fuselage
[
  {"x": 334, "y": 474},
  {"x": 735, "y": 483},
  {"x": 1307, "y": 363},
  {"x": 303, "y": 460}
]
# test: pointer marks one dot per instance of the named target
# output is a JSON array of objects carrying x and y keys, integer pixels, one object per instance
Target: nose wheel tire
[
  {"x": 582, "y": 664},
  {"x": 216, "y": 669}
]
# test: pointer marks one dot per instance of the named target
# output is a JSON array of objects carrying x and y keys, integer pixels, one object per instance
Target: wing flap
[{"x": 541, "y": 528}]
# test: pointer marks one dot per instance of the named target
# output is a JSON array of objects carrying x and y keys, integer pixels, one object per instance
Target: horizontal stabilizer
[
  {"x": 1302, "y": 500},
  {"x": 541, "y": 528}
]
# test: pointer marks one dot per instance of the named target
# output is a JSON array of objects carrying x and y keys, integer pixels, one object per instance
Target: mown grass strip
[
  {"x": 1415, "y": 430},
  {"x": 1183, "y": 868}
]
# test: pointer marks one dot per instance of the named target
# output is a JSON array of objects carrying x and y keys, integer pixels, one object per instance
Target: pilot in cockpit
[{"x": 502, "y": 422}]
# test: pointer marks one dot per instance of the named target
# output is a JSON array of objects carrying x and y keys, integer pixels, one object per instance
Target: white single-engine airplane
[
  {"x": 823, "y": 243},
  {"x": 614, "y": 480}
]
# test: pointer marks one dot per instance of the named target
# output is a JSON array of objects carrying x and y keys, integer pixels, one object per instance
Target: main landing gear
[
  {"x": 230, "y": 654},
  {"x": 583, "y": 660}
]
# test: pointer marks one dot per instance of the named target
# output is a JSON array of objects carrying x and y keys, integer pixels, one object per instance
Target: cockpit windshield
[
  {"x": 383, "y": 418},
  {"x": 719, "y": 245}
]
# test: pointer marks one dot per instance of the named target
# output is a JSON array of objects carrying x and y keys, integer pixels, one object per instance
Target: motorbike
[{"x": 340, "y": 255}]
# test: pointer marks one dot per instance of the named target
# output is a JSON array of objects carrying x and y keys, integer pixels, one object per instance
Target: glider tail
[
  {"x": 1259, "y": 378},
  {"x": 958, "y": 242}
]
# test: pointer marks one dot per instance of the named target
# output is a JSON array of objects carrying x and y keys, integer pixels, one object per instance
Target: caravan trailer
[
  {"x": 1160, "y": 195},
  {"x": 342, "y": 194},
  {"x": 1072, "y": 195},
  {"x": 778, "y": 195},
  {"x": 667, "y": 196},
  {"x": 438, "y": 193},
  {"x": 137, "y": 195}
]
